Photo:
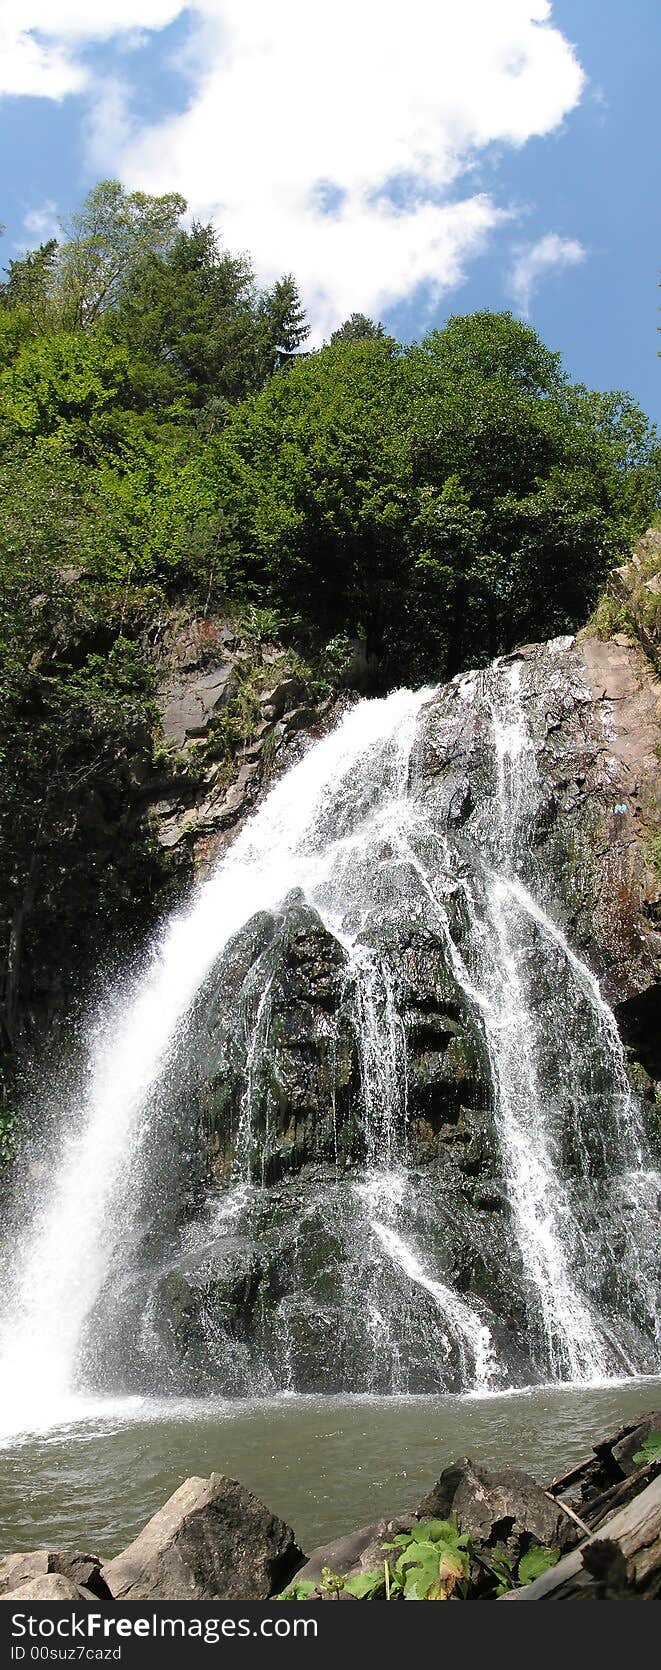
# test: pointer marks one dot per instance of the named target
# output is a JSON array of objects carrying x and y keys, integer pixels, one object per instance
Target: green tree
[
  {"x": 313, "y": 483},
  {"x": 188, "y": 320},
  {"x": 282, "y": 316},
  {"x": 31, "y": 287},
  {"x": 75, "y": 730},
  {"x": 103, "y": 241},
  {"x": 68, "y": 386},
  {"x": 356, "y": 328},
  {"x": 71, "y": 284},
  {"x": 442, "y": 501}
]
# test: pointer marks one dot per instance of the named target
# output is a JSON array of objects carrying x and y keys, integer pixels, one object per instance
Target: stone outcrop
[
  {"x": 213, "y": 1540},
  {"x": 80, "y": 1570},
  {"x": 230, "y": 713},
  {"x": 495, "y": 1508},
  {"x": 623, "y": 834},
  {"x": 594, "y": 709}
]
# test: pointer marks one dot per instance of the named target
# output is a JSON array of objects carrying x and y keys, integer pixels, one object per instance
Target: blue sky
[{"x": 410, "y": 161}]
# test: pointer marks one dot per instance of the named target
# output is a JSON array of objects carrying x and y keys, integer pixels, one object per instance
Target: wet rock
[
  {"x": 213, "y": 1540},
  {"x": 303, "y": 1062},
  {"x": 292, "y": 1028},
  {"x": 300, "y": 719}
]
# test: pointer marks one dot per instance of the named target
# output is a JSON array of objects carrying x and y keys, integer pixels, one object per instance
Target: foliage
[
  {"x": 441, "y": 502},
  {"x": 433, "y": 1563},
  {"x": 69, "y": 388},
  {"x": 535, "y": 1563},
  {"x": 163, "y": 440},
  {"x": 503, "y": 1563},
  {"x": 75, "y": 733},
  {"x": 300, "y": 1589},
  {"x": 532, "y": 1564},
  {"x": 650, "y": 1450},
  {"x": 513, "y": 1572},
  {"x": 199, "y": 334},
  {"x": 356, "y": 328},
  {"x": 70, "y": 285}
]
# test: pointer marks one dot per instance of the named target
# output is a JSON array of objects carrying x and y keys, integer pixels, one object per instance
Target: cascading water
[
  {"x": 347, "y": 831},
  {"x": 298, "y": 839}
]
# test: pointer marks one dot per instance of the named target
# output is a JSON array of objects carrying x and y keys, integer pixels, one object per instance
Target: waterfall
[
  {"x": 345, "y": 829},
  {"x": 297, "y": 839}
]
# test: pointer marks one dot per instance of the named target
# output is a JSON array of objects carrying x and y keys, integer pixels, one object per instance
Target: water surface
[{"x": 326, "y": 1465}]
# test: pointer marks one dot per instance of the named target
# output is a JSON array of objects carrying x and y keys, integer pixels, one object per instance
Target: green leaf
[
  {"x": 365, "y": 1585},
  {"x": 650, "y": 1450},
  {"x": 435, "y": 1530},
  {"x": 502, "y": 1566},
  {"x": 536, "y": 1562},
  {"x": 297, "y": 1591}
]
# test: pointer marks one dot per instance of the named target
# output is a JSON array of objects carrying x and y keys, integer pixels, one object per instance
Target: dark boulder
[
  {"x": 505, "y": 1507},
  {"x": 213, "y": 1540}
]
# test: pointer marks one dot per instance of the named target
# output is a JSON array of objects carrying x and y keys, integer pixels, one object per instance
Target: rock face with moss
[
  {"x": 594, "y": 712},
  {"x": 346, "y": 1174}
]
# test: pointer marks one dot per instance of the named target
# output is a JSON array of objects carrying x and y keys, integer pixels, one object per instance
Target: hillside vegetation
[{"x": 165, "y": 437}]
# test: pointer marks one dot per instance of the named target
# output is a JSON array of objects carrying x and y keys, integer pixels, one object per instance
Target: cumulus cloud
[
  {"x": 333, "y": 141},
  {"x": 41, "y": 223},
  {"x": 535, "y": 261}
]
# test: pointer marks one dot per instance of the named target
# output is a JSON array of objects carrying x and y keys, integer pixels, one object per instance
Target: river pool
[{"x": 325, "y": 1464}]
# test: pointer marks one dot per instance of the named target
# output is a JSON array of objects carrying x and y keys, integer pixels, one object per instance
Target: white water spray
[{"x": 296, "y": 839}]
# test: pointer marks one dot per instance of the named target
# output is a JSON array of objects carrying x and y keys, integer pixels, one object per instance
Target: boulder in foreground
[{"x": 213, "y": 1540}]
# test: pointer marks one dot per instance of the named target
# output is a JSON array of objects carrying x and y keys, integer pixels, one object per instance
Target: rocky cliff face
[
  {"x": 231, "y": 712},
  {"x": 329, "y": 1063},
  {"x": 594, "y": 710}
]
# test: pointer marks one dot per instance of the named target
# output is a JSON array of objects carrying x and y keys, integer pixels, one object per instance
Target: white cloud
[
  {"x": 107, "y": 123},
  {"x": 41, "y": 223},
  {"x": 287, "y": 95},
  {"x": 39, "y": 39},
  {"x": 535, "y": 261}
]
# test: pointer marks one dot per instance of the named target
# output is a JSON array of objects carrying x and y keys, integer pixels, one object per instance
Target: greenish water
[{"x": 326, "y": 1465}]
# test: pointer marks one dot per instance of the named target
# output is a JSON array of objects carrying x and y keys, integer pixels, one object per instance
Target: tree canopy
[
  {"x": 166, "y": 439},
  {"x": 440, "y": 499}
]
